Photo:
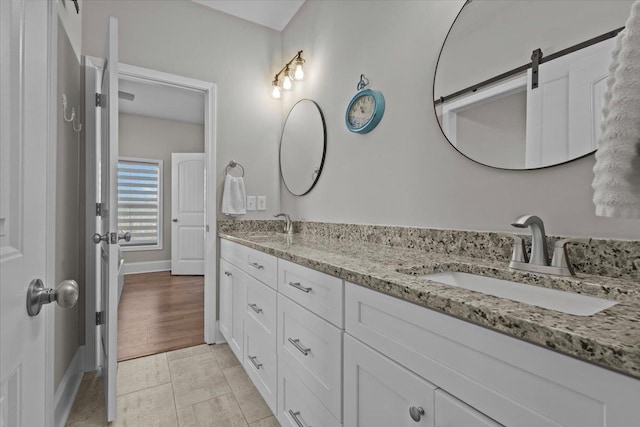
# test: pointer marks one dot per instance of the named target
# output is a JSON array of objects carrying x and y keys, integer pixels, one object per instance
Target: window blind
[{"x": 139, "y": 202}]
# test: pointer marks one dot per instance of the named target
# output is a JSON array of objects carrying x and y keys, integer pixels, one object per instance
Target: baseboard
[
  {"x": 220, "y": 339},
  {"x": 146, "y": 267},
  {"x": 68, "y": 388}
]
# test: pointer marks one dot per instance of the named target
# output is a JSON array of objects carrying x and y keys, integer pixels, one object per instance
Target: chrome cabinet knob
[
  {"x": 97, "y": 238},
  {"x": 125, "y": 236},
  {"x": 416, "y": 413},
  {"x": 175, "y": 220},
  {"x": 65, "y": 295}
]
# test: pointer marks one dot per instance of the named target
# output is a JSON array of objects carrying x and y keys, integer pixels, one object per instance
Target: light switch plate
[
  {"x": 262, "y": 203},
  {"x": 251, "y": 203}
]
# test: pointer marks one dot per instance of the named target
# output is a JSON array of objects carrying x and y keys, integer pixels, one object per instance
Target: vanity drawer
[
  {"x": 231, "y": 252},
  {"x": 263, "y": 267},
  {"x": 261, "y": 363},
  {"x": 312, "y": 348},
  {"x": 296, "y": 400},
  {"x": 261, "y": 310},
  {"x": 318, "y": 292}
]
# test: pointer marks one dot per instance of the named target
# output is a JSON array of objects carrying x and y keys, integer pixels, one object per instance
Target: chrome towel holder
[{"x": 232, "y": 164}]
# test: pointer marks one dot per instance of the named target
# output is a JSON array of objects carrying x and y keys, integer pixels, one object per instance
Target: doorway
[
  {"x": 161, "y": 206},
  {"x": 159, "y": 311}
]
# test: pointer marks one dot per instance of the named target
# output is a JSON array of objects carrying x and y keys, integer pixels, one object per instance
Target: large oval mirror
[
  {"x": 519, "y": 84},
  {"x": 302, "y": 147}
]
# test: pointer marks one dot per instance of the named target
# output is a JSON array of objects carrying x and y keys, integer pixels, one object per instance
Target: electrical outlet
[
  {"x": 262, "y": 203},
  {"x": 251, "y": 203}
]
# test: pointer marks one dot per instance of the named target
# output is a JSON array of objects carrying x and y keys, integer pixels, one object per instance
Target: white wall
[
  {"x": 153, "y": 138},
  {"x": 405, "y": 172},
  {"x": 185, "y": 38}
]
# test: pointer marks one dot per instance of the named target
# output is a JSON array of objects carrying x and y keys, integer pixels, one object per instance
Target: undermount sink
[{"x": 552, "y": 299}]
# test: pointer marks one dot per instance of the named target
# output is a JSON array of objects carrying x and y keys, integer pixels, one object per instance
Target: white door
[
  {"x": 565, "y": 111},
  {"x": 24, "y": 136},
  {"x": 187, "y": 213},
  {"x": 379, "y": 392},
  {"x": 109, "y": 247}
]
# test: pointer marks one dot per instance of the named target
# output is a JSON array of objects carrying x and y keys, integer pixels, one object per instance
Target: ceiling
[
  {"x": 162, "y": 101},
  {"x": 274, "y": 14}
]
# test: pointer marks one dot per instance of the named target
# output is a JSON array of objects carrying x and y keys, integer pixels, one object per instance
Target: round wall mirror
[
  {"x": 302, "y": 147},
  {"x": 520, "y": 84}
]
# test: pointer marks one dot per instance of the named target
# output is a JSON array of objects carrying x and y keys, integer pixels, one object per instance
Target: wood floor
[{"x": 159, "y": 312}]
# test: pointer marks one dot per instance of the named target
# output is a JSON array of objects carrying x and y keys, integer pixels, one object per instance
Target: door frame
[{"x": 93, "y": 67}]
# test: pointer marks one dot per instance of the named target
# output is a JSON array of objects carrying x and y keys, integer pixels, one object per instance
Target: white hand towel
[
  {"x": 616, "y": 183},
  {"x": 234, "y": 196}
]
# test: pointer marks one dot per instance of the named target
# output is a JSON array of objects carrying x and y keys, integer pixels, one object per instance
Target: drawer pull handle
[
  {"x": 296, "y": 344},
  {"x": 256, "y": 364},
  {"x": 226, "y": 273},
  {"x": 256, "y": 265},
  {"x": 295, "y": 415},
  {"x": 416, "y": 413},
  {"x": 297, "y": 285},
  {"x": 255, "y": 308}
]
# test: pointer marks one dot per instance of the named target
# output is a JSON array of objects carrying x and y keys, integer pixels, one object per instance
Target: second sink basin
[{"x": 552, "y": 299}]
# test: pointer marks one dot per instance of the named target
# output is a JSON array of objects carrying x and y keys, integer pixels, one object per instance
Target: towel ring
[{"x": 232, "y": 164}]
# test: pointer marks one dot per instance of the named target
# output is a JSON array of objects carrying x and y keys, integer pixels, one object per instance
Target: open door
[{"x": 108, "y": 237}]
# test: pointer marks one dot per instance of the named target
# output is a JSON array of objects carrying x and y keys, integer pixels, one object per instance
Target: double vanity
[{"x": 356, "y": 326}]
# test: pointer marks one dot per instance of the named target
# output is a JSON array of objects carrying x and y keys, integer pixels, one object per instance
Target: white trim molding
[
  {"x": 146, "y": 267},
  {"x": 68, "y": 388}
]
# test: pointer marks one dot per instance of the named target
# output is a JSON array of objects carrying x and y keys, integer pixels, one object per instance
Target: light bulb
[
  {"x": 299, "y": 73},
  {"x": 287, "y": 84},
  {"x": 276, "y": 93}
]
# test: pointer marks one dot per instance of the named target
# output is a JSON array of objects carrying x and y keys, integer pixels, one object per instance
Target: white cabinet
[
  {"x": 380, "y": 393},
  {"x": 232, "y": 303},
  {"x": 450, "y": 412}
]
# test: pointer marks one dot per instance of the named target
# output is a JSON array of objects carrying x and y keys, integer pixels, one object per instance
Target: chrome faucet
[
  {"x": 538, "y": 261},
  {"x": 288, "y": 227},
  {"x": 539, "y": 251}
]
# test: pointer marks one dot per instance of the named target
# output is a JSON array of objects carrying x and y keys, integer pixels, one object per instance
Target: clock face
[{"x": 361, "y": 111}]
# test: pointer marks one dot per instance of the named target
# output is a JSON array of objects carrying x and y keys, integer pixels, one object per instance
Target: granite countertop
[{"x": 610, "y": 338}]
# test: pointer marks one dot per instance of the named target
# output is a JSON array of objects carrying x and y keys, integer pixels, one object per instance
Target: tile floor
[{"x": 195, "y": 386}]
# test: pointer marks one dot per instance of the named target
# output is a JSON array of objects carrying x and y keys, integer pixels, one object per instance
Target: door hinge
[
  {"x": 101, "y": 100},
  {"x": 99, "y": 317},
  {"x": 207, "y": 228},
  {"x": 98, "y": 209}
]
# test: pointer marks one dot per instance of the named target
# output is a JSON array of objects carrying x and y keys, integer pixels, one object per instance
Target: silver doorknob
[
  {"x": 416, "y": 413},
  {"x": 175, "y": 220},
  {"x": 97, "y": 238},
  {"x": 65, "y": 294},
  {"x": 126, "y": 236}
]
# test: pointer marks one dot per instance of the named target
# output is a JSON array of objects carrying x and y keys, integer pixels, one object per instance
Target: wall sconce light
[{"x": 288, "y": 76}]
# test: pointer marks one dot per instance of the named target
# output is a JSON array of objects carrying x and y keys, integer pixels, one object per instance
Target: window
[{"x": 140, "y": 203}]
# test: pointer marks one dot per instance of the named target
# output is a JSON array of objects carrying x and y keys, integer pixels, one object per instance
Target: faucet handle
[
  {"x": 519, "y": 253},
  {"x": 561, "y": 257}
]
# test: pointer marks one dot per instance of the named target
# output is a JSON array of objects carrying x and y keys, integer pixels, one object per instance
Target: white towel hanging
[
  {"x": 234, "y": 196},
  {"x": 616, "y": 183}
]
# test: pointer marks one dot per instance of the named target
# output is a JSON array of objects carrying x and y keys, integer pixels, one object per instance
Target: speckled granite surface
[
  {"x": 612, "y": 258},
  {"x": 610, "y": 338}
]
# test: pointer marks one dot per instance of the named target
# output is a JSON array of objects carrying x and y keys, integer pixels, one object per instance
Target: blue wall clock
[{"x": 365, "y": 109}]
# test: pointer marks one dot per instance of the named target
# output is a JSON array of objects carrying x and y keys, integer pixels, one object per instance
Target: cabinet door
[
  {"x": 226, "y": 299},
  {"x": 379, "y": 392},
  {"x": 239, "y": 297},
  {"x": 451, "y": 412}
]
